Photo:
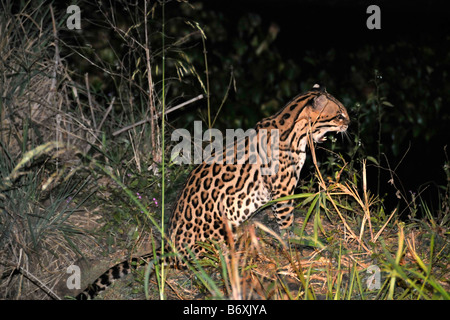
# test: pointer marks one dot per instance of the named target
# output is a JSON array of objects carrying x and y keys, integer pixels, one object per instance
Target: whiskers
[{"x": 345, "y": 134}]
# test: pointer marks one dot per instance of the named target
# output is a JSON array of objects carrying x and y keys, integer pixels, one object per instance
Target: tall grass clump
[{"x": 40, "y": 139}]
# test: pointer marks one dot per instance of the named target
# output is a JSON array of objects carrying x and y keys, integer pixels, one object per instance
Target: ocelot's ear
[
  {"x": 319, "y": 87},
  {"x": 320, "y": 102}
]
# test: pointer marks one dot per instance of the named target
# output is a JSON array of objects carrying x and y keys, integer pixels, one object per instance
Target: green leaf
[{"x": 372, "y": 159}]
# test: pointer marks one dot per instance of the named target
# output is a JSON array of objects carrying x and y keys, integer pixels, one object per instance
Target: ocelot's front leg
[
  {"x": 280, "y": 185},
  {"x": 283, "y": 211}
]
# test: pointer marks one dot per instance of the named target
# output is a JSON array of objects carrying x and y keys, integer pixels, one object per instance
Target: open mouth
[{"x": 322, "y": 138}]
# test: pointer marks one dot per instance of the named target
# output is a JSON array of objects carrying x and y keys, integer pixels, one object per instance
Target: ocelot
[{"x": 217, "y": 193}]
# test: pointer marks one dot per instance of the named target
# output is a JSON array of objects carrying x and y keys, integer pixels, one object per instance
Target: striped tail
[{"x": 116, "y": 272}]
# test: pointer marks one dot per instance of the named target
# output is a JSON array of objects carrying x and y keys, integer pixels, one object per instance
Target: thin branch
[
  {"x": 86, "y": 78},
  {"x": 57, "y": 57},
  {"x": 106, "y": 114},
  {"x": 159, "y": 114},
  {"x": 199, "y": 97},
  {"x": 35, "y": 281},
  {"x": 155, "y": 149}
]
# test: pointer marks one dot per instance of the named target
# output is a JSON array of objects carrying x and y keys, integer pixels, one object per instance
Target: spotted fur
[{"x": 216, "y": 194}]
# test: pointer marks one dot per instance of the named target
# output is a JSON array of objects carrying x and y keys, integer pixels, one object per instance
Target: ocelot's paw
[
  {"x": 287, "y": 234},
  {"x": 291, "y": 237}
]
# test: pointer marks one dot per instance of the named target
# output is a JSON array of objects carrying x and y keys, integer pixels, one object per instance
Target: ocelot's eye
[{"x": 341, "y": 116}]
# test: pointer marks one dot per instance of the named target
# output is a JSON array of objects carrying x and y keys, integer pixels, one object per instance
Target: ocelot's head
[{"x": 326, "y": 114}]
